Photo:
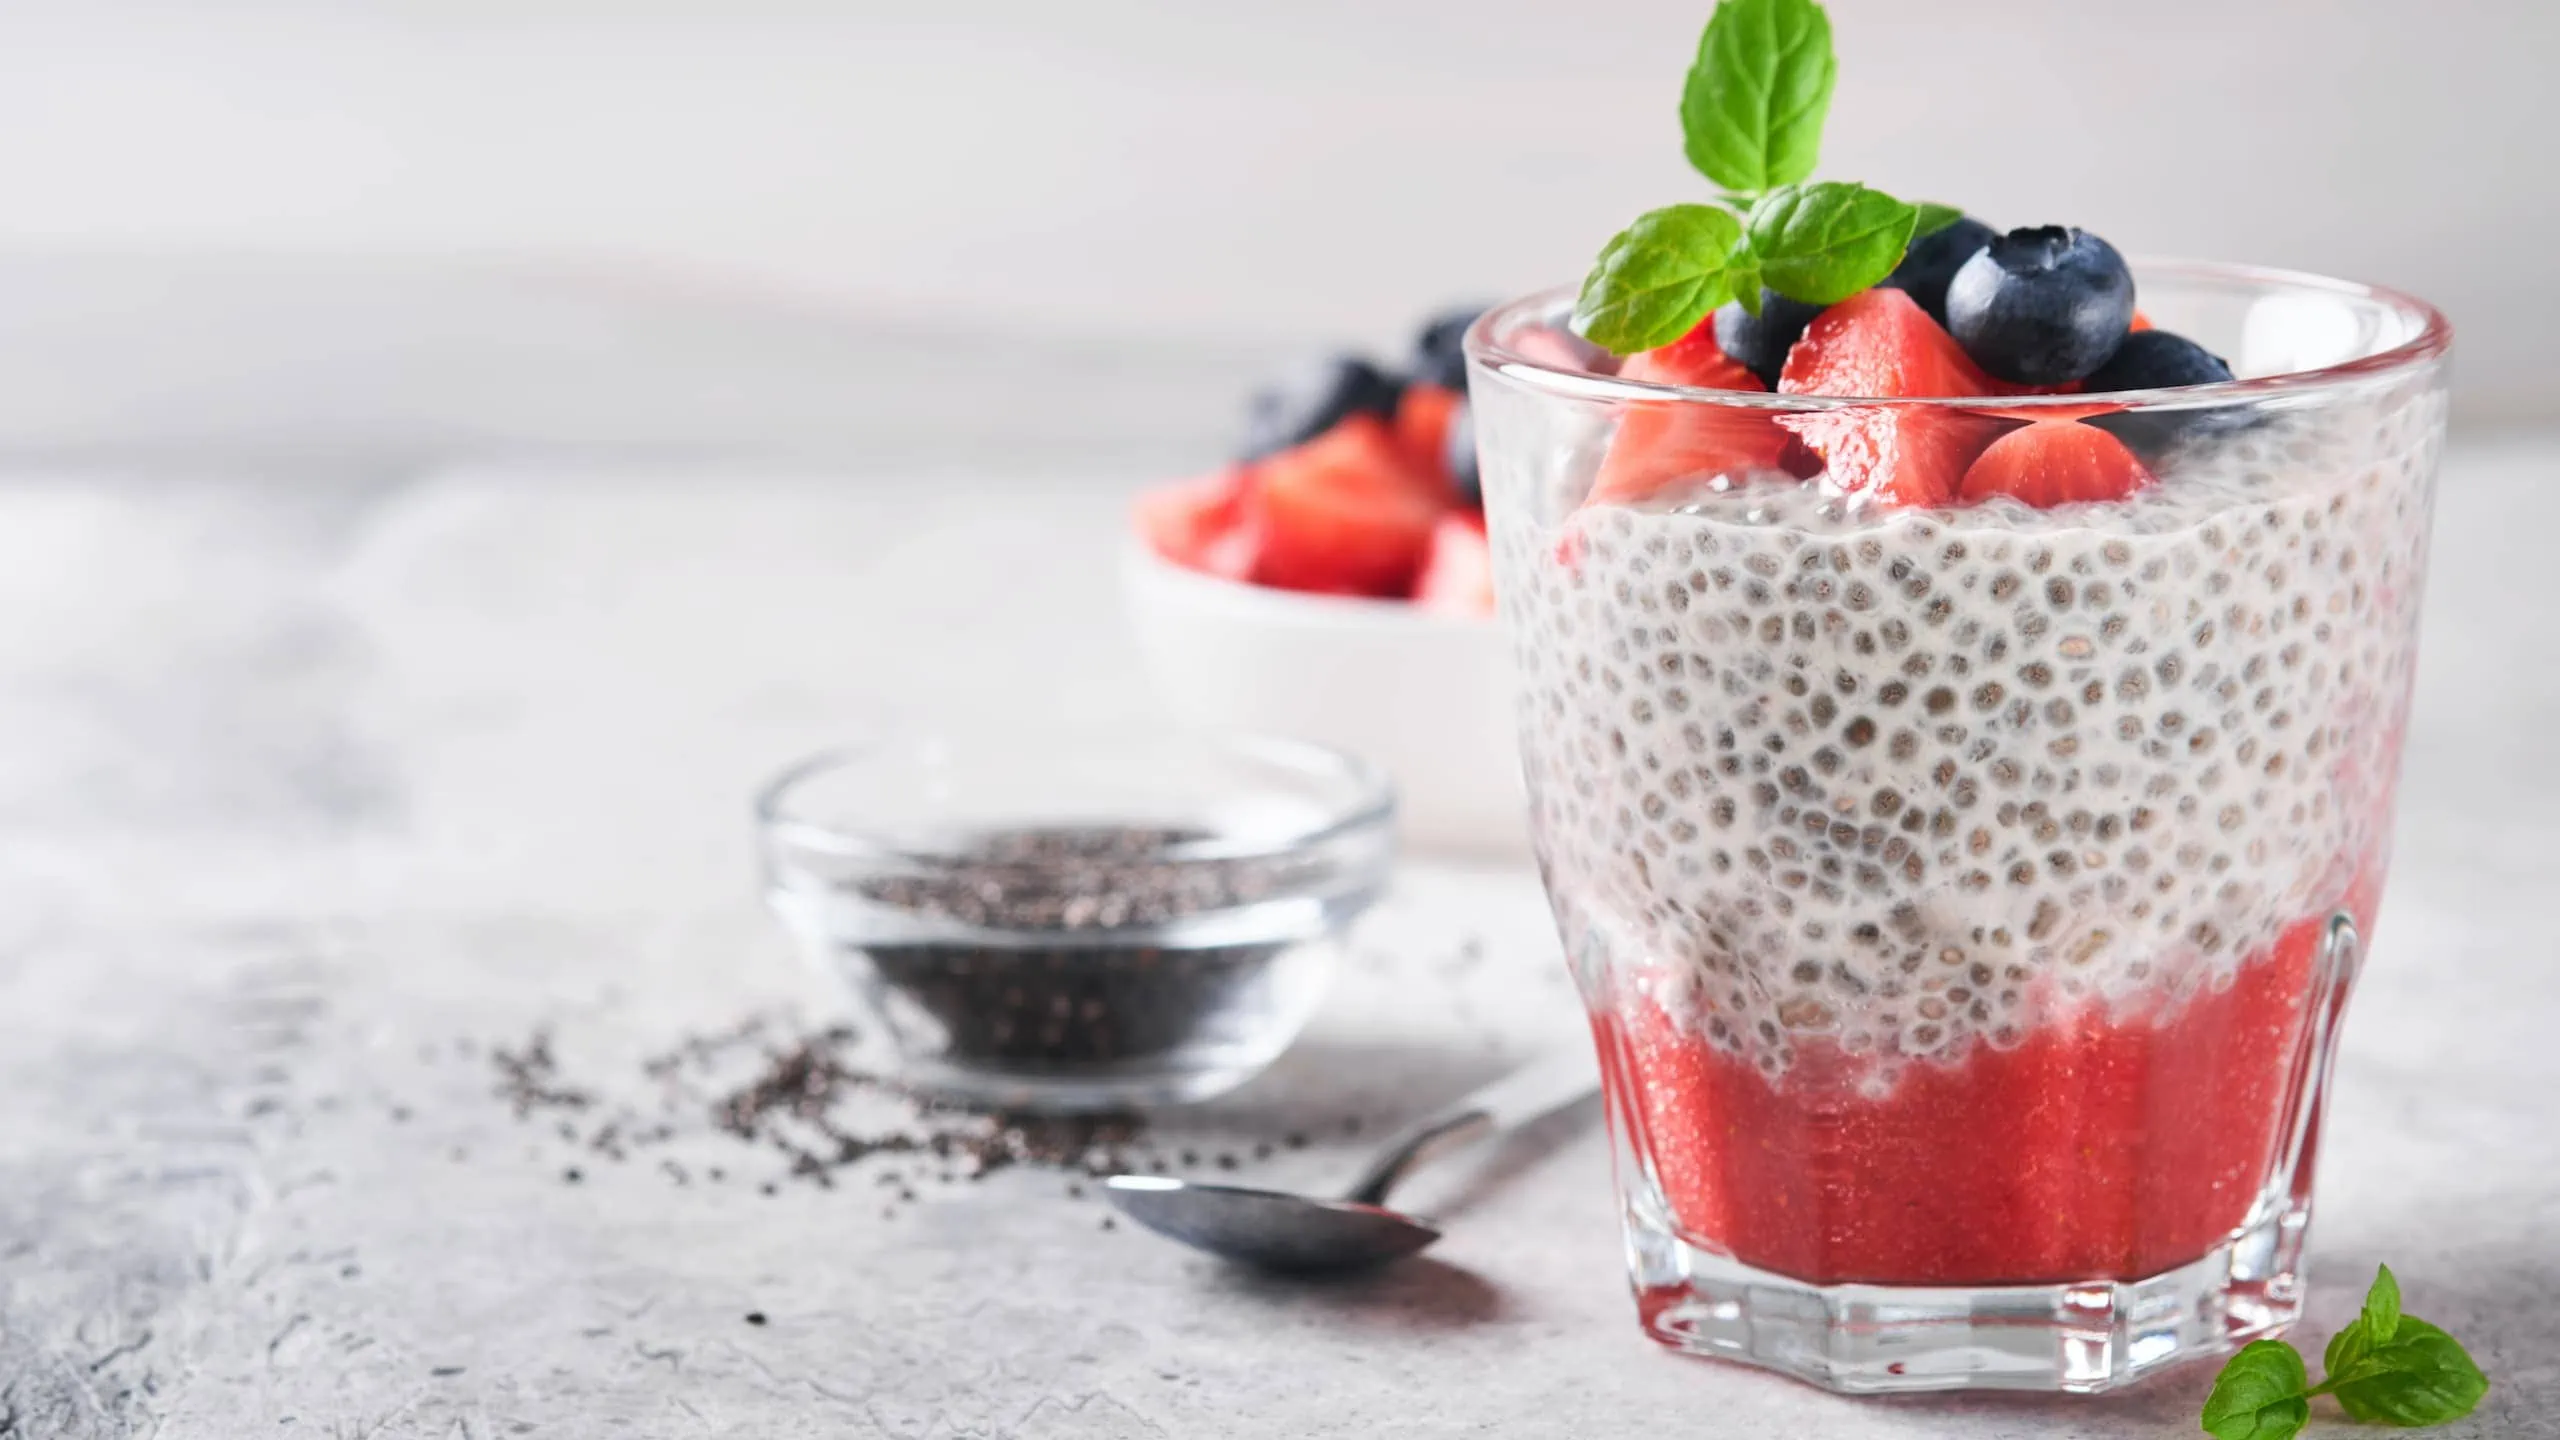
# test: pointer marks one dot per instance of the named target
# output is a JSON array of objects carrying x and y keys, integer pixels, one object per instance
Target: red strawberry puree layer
[{"x": 2101, "y": 1146}]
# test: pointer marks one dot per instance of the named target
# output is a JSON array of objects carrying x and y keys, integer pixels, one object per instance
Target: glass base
[{"x": 2079, "y": 1338}]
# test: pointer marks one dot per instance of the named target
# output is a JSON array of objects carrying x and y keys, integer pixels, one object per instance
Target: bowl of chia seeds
[{"x": 1078, "y": 922}]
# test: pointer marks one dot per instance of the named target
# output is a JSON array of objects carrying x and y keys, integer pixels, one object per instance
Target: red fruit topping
[
  {"x": 1422, "y": 427},
  {"x": 1880, "y": 344},
  {"x": 1346, "y": 513},
  {"x": 1204, "y": 524},
  {"x": 1694, "y": 360},
  {"x": 2141, "y": 321},
  {"x": 1458, "y": 574},
  {"x": 1663, "y": 442},
  {"x": 2055, "y": 462},
  {"x": 1660, "y": 444},
  {"x": 1898, "y": 455},
  {"x": 1563, "y": 350}
]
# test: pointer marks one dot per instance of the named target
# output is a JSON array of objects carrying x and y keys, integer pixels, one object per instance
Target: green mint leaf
[
  {"x": 1823, "y": 243},
  {"x": 2382, "y": 1307},
  {"x": 1656, "y": 279},
  {"x": 1934, "y": 217},
  {"x": 2422, "y": 1376},
  {"x": 1753, "y": 107},
  {"x": 2260, "y": 1394},
  {"x": 2348, "y": 1350},
  {"x": 1746, "y": 278}
]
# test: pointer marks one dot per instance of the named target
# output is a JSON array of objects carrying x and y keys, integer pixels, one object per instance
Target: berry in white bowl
[{"x": 1333, "y": 584}]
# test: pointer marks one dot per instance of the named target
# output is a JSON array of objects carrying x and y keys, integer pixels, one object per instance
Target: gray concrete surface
[{"x": 306, "y": 777}]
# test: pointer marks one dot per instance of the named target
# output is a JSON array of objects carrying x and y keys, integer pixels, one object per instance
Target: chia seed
[{"x": 1062, "y": 956}]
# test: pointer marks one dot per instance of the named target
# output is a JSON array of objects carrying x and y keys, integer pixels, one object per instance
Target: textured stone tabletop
[{"x": 317, "y": 788}]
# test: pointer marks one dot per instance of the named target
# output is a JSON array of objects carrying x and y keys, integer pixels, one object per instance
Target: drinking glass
[{"x": 1965, "y": 897}]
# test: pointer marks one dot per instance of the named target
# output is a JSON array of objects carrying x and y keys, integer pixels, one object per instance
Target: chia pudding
[{"x": 1952, "y": 885}]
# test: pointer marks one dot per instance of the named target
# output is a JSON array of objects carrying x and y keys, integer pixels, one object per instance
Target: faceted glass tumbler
[{"x": 1965, "y": 897}]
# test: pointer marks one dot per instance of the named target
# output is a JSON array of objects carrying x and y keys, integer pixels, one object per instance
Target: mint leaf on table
[
  {"x": 2263, "y": 1393},
  {"x": 1934, "y": 217},
  {"x": 2421, "y": 1376},
  {"x": 1823, "y": 243},
  {"x": 2385, "y": 1367},
  {"x": 2374, "y": 1325},
  {"x": 2397, "y": 1369},
  {"x": 1753, "y": 107},
  {"x": 2381, "y": 1316},
  {"x": 1658, "y": 278}
]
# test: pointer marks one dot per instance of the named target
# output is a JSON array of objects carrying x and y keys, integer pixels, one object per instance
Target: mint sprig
[
  {"x": 1824, "y": 243},
  {"x": 1934, "y": 217},
  {"x": 1753, "y": 107},
  {"x": 2263, "y": 1393},
  {"x": 2385, "y": 1368},
  {"x": 1656, "y": 277},
  {"x": 1751, "y": 115}
]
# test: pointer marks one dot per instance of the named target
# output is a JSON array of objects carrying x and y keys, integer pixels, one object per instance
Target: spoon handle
[{"x": 1525, "y": 1094}]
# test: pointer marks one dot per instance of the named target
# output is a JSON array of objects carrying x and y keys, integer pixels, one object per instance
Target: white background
[{"x": 1313, "y": 168}]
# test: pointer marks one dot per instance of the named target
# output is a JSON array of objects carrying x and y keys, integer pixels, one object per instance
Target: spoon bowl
[{"x": 1270, "y": 1229}]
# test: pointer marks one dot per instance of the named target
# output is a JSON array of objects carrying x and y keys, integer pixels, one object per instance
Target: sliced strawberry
[
  {"x": 1880, "y": 344},
  {"x": 2141, "y": 321},
  {"x": 1185, "y": 523},
  {"x": 1346, "y": 512},
  {"x": 2048, "y": 412},
  {"x": 1563, "y": 350},
  {"x": 1422, "y": 426},
  {"x": 1694, "y": 359},
  {"x": 1898, "y": 455},
  {"x": 1661, "y": 443},
  {"x": 2055, "y": 462},
  {"x": 1690, "y": 360},
  {"x": 1457, "y": 576}
]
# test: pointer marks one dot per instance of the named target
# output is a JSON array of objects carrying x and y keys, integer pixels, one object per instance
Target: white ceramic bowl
[{"x": 1422, "y": 694}]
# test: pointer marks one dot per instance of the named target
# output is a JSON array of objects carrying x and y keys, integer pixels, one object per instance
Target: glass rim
[
  {"x": 1485, "y": 344},
  {"x": 1370, "y": 805}
]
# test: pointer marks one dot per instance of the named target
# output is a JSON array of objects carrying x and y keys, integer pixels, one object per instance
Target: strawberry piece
[
  {"x": 1879, "y": 344},
  {"x": 1345, "y": 513},
  {"x": 1695, "y": 360},
  {"x": 1457, "y": 576},
  {"x": 2047, "y": 412},
  {"x": 1897, "y": 455},
  {"x": 1202, "y": 524},
  {"x": 1563, "y": 350},
  {"x": 2055, "y": 462},
  {"x": 1422, "y": 427},
  {"x": 2140, "y": 321},
  {"x": 1662, "y": 443}
]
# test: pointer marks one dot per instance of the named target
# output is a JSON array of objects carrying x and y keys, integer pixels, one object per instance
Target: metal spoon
[{"x": 1275, "y": 1230}]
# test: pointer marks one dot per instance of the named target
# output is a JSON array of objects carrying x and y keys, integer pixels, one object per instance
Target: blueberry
[
  {"x": 2158, "y": 360},
  {"x": 1759, "y": 343},
  {"x": 1308, "y": 401},
  {"x": 1437, "y": 356},
  {"x": 1462, "y": 458},
  {"x": 2041, "y": 306},
  {"x": 1933, "y": 259}
]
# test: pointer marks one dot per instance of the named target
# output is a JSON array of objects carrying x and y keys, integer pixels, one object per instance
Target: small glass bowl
[{"x": 1067, "y": 921}]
